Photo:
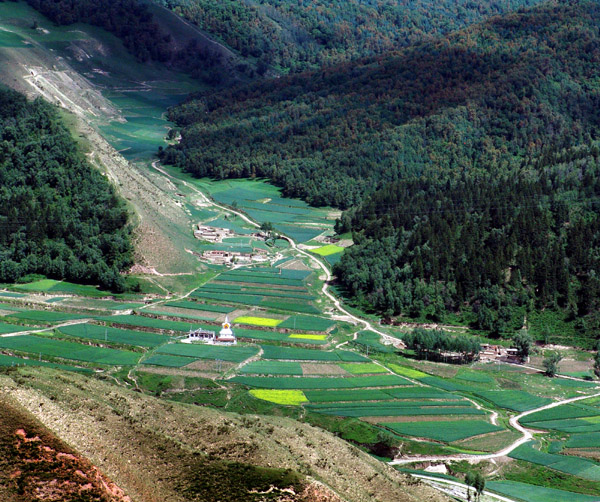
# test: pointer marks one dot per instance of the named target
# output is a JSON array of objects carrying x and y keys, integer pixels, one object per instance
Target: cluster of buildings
[
  {"x": 227, "y": 256},
  {"x": 225, "y": 336},
  {"x": 492, "y": 353},
  {"x": 212, "y": 234}
]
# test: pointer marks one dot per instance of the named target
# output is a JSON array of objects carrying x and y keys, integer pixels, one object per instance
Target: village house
[
  {"x": 225, "y": 336},
  {"x": 212, "y": 234},
  {"x": 221, "y": 257}
]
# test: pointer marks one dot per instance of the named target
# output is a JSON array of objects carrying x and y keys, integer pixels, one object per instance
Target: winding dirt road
[
  {"x": 527, "y": 434},
  {"x": 324, "y": 290},
  {"x": 514, "y": 422}
]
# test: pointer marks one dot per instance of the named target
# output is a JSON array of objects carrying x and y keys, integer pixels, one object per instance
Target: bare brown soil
[
  {"x": 322, "y": 369},
  {"x": 36, "y": 466},
  {"x": 494, "y": 441},
  {"x": 591, "y": 453},
  {"x": 209, "y": 366},
  {"x": 161, "y": 370},
  {"x": 295, "y": 265}
]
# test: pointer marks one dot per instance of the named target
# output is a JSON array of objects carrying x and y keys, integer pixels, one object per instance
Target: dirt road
[
  {"x": 514, "y": 422},
  {"x": 324, "y": 290}
]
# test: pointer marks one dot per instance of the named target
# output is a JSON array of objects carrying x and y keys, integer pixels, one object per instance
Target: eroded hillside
[{"x": 158, "y": 451}]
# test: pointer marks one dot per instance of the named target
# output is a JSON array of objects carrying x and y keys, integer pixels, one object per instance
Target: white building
[{"x": 225, "y": 337}]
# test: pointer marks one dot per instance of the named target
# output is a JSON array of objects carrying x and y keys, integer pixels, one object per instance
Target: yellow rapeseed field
[
  {"x": 291, "y": 397},
  {"x": 308, "y": 336},
  {"x": 258, "y": 321}
]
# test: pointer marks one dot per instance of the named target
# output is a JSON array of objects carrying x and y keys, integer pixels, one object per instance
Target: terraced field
[
  {"x": 516, "y": 400},
  {"x": 300, "y": 354},
  {"x": 45, "y": 316},
  {"x": 270, "y": 288},
  {"x": 235, "y": 354},
  {"x": 10, "y": 328},
  {"x": 446, "y": 431},
  {"x": 320, "y": 382},
  {"x": 533, "y": 493},
  {"x": 575, "y": 466}
]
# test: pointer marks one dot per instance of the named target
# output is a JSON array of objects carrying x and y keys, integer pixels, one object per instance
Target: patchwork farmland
[
  {"x": 287, "y": 361},
  {"x": 298, "y": 355}
]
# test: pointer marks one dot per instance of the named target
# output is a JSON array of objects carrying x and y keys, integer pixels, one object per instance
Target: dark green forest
[
  {"x": 503, "y": 246},
  {"x": 296, "y": 35},
  {"x": 58, "y": 216},
  {"x": 469, "y": 165},
  {"x": 485, "y": 99}
]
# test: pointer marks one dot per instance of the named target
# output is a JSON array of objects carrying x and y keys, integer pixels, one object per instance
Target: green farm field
[
  {"x": 168, "y": 360},
  {"x": 332, "y": 396},
  {"x": 383, "y": 409},
  {"x": 532, "y": 493},
  {"x": 319, "y": 382},
  {"x": 68, "y": 350},
  {"x": 12, "y": 361},
  {"x": 363, "y": 368},
  {"x": 146, "y": 322},
  {"x": 513, "y": 399},
  {"x": 575, "y": 466},
  {"x": 444, "y": 431},
  {"x": 234, "y": 354},
  {"x": 300, "y": 354},
  {"x": 46, "y": 316},
  {"x": 114, "y": 335},
  {"x": 201, "y": 306},
  {"x": 11, "y": 328},
  {"x": 263, "y": 202},
  {"x": 272, "y": 368}
]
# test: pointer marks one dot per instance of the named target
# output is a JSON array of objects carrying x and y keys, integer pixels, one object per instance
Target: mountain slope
[
  {"x": 485, "y": 99},
  {"x": 159, "y": 451},
  {"x": 292, "y": 35},
  {"x": 149, "y": 34},
  {"x": 475, "y": 157}
]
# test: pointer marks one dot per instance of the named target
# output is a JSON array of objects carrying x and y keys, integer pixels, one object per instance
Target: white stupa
[{"x": 226, "y": 335}]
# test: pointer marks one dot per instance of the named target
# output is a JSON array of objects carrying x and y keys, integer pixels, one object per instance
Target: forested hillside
[
  {"x": 295, "y": 35},
  {"x": 502, "y": 246},
  {"x": 58, "y": 216},
  {"x": 134, "y": 24},
  {"x": 486, "y": 99},
  {"x": 474, "y": 158}
]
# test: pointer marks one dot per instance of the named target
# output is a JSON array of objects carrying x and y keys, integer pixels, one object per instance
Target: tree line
[{"x": 438, "y": 345}]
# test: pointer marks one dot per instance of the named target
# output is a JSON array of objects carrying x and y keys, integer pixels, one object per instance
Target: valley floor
[{"x": 107, "y": 376}]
